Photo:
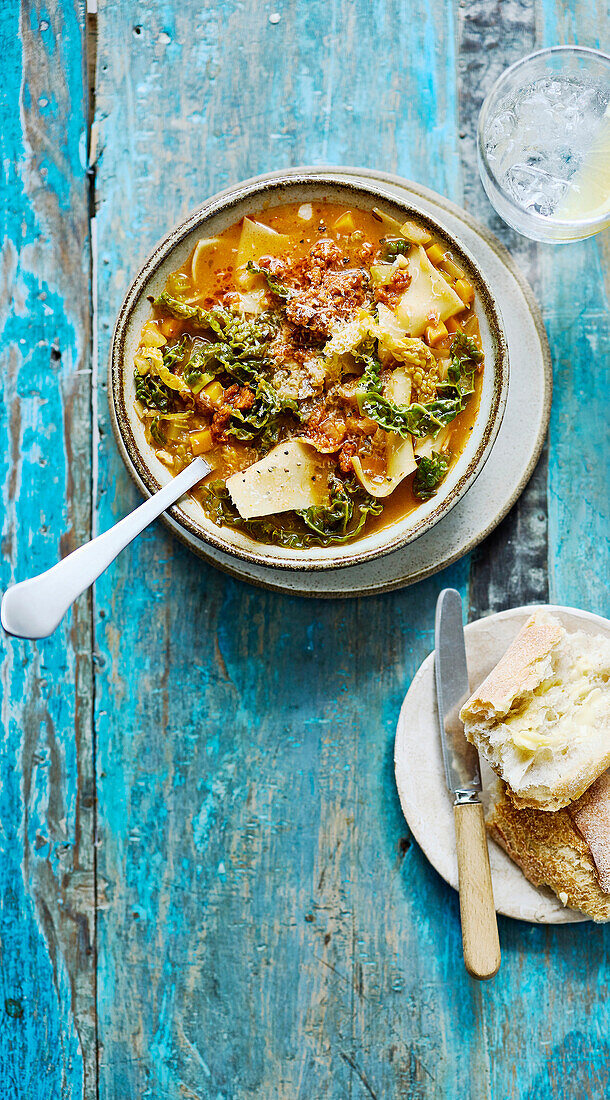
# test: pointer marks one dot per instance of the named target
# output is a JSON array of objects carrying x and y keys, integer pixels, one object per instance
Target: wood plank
[
  {"x": 47, "y": 1031},
  {"x": 576, "y": 309},
  {"x": 272, "y": 930},
  {"x": 244, "y": 857},
  {"x": 513, "y": 560}
]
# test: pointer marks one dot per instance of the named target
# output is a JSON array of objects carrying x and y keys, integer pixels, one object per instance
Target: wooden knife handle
[{"x": 477, "y": 910}]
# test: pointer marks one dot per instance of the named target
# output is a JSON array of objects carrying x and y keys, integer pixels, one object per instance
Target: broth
[{"x": 248, "y": 355}]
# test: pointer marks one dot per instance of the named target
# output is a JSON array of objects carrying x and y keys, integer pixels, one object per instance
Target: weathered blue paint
[
  {"x": 46, "y": 899},
  {"x": 266, "y": 925}
]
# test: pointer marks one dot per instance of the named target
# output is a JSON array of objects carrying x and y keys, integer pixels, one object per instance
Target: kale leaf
[
  {"x": 429, "y": 474},
  {"x": 274, "y": 285},
  {"x": 262, "y": 419},
  {"x": 429, "y": 417},
  {"x": 173, "y": 353},
  {"x": 156, "y": 431},
  {"x": 237, "y": 345},
  {"x": 152, "y": 393}
]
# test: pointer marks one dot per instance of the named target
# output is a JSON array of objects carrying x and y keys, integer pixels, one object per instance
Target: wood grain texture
[
  {"x": 480, "y": 941},
  {"x": 47, "y": 1018},
  {"x": 252, "y": 837},
  {"x": 267, "y": 927},
  {"x": 272, "y": 930}
]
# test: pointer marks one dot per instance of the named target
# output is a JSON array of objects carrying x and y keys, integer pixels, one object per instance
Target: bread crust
[
  {"x": 528, "y": 662},
  {"x": 567, "y": 792},
  {"x": 591, "y": 816},
  {"x": 551, "y": 852},
  {"x": 519, "y": 670}
]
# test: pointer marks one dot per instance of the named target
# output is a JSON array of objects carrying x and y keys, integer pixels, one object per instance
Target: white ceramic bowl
[{"x": 211, "y": 218}]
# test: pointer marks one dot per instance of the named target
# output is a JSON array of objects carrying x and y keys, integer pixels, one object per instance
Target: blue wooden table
[{"x": 207, "y": 886}]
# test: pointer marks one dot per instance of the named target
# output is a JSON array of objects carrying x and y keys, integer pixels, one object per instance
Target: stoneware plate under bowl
[
  {"x": 420, "y": 776},
  {"x": 218, "y": 214}
]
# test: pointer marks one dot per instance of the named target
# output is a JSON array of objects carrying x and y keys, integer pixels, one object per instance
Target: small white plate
[{"x": 420, "y": 776}]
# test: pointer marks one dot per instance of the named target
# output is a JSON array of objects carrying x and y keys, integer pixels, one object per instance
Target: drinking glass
[{"x": 544, "y": 144}]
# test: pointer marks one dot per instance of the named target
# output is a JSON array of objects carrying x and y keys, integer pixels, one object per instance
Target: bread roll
[
  {"x": 591, "y": 816},
  {"x": 551, "y": 852},
  {"x": 541, "y": 719}
]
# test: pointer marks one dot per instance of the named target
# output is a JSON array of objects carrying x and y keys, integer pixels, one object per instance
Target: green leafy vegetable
[
  {"x": 327, "y": 524},
  {"x": 464, "y": 352},
  {"x": 238, "y": 344},
  {"x": 428, "y": 418},
  {"x": 262, "y": 418},
  {"x": 429, "y": 474},
  {"x": 393, "y": 248},
  {"x": 152, "y": 393},
  {"x": 156, "y": 432},
  {"x": 274, "y": 285},
  {"x": 173, "y": 353}
]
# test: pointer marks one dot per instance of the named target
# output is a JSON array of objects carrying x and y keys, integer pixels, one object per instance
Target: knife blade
[
  {"x": 480, "y": 941},
  {"x": 452, "y": 690}
]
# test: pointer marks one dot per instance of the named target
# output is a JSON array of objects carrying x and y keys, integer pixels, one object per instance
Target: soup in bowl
[{"x": 337, "y": 359}]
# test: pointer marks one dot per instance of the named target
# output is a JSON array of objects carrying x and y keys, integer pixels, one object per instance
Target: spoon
[{"x": 34, "y": 608}]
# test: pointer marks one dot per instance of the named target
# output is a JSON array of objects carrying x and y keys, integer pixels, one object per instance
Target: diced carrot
[
  {"x": 435, "y": 254},
  {"x": 465, "y": 291},
  {"x": 200, "y": 441},
  {"x": 452, "y": 325},
  {"x": 214, "y": 392},
  {"x": 345, "y": 223},
  {"x": 171, "y": 327},
  {"x": 435, "y": 333}
]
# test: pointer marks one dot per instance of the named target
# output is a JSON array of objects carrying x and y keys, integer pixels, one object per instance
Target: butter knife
[{"x": 480, "y": 940}]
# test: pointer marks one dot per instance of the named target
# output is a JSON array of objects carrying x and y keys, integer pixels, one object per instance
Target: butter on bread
[
  {"x": 550, "y": 851},
  {"x": 541, "y": 719},
  {"x": 591, "y": 816}
]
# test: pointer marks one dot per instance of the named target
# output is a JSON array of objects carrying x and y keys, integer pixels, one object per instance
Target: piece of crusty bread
[
  {"x": 551, "y": 852},
  {"x": 541, "y": 719},
  {"x": 591, "y": 816}
]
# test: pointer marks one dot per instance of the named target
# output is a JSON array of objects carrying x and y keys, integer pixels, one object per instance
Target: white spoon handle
[{"x": 34, "y": 608}]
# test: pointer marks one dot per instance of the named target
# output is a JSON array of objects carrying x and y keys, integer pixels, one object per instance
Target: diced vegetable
[
  {"x": 435, "y": 254},
  {"x": 345, "y": 223},
  {"x": 453, "y": 325},
  {"x": 415, "y": 233},
  {"x": 200, "y": 442},
  {"x": 465, "y": 291},
  {"x": 381, "y": 274},
  {"x": 452, "y": 268},
  {"x": 214, "y": 392},
  {"x": 171, "y": 327},
  {"x": 435, "y": 333}
]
